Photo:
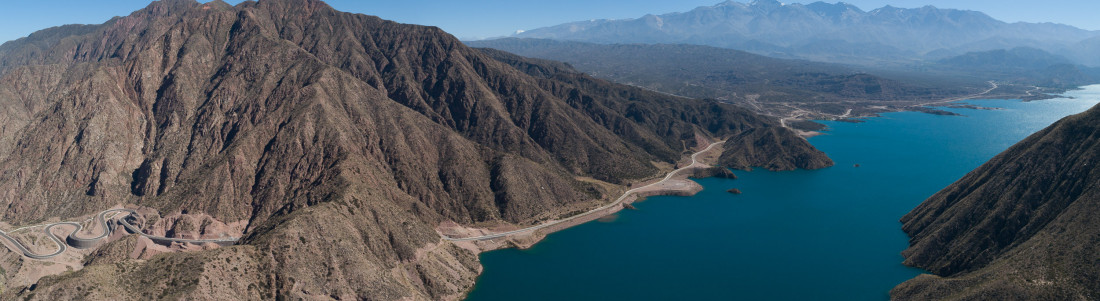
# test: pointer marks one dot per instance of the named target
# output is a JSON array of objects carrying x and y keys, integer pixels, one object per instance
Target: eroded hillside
[{"x": 339, "y": 141}]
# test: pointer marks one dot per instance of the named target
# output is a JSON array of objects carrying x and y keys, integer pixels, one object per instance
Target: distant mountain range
[{"x": 834, "y": 32}]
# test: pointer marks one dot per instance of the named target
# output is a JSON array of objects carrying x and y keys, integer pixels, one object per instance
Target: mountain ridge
[
  {"x": 769, "y": 27},
  {"x": 334, "y": 143},
  {"x": 1020, "y": 227}
]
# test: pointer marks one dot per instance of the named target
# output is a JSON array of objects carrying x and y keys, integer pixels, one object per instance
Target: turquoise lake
[{"x": 830, "y": 234}]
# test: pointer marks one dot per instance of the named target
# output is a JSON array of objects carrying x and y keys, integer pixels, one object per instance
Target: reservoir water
[{"x": 830, "y": 234}]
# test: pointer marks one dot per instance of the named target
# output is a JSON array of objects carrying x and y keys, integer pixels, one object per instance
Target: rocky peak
[
  {"x": 765, "y": 5},
  {"x": 729, "y": 3},
  {"x": 162, "y": 8},
  {"x": 288, "y": 8},
  {"x": 832, "y": 10}
]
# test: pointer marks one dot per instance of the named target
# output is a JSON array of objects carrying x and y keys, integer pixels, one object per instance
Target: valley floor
[{"x": 795, "y": 115}]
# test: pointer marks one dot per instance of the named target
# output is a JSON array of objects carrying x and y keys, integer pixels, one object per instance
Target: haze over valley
[{"x": 285, "y": 149}]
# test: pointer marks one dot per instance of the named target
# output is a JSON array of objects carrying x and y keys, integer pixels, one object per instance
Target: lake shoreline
[
  {"x": 833, "y": 233},
  {"x": 676, "y": 183}
]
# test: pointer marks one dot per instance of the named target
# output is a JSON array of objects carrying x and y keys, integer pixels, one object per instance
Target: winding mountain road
[
  {"x": 101, "y": 219},
  {"x": 85, "y": 243},
  {"x": 694, "y": 163}
]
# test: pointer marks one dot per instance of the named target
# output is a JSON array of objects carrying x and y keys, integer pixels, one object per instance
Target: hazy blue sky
[{"x": 470, "y": 19}]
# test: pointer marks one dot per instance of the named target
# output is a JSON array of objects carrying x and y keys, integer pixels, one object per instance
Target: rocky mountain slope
[
  {"x": 1023, "y": 226},
  {"x": 338, "y": 141},
  {"x": 829, "y": 32},
  {"x": 774, "y": 148}
]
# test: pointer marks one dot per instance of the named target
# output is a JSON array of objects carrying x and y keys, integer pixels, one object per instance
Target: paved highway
[
  {"x": 85, "y": 243},
  {"x": 694, "y": 163}
]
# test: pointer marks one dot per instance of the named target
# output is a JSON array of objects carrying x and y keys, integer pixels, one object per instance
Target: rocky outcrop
[
  {"x": 113, "y": 252},
  {"x": 335, "y": 142},
  {"x": 1023, "y": 226},
  {"x": 717, "y": 172},
  {"x": 734, "y": 191},
  {"x": 773, "y": 148}
]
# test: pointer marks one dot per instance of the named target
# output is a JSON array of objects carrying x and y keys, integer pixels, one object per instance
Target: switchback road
[{"x": 102, "y": 221}]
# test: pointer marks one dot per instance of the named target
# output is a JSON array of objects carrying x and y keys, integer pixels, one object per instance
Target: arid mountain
[
  {"x": 772, "y": 147},
  {"x": 822, "y": 31},
  {"x": 1024, "y": 226},
  {"x": 338, "y": 141}
]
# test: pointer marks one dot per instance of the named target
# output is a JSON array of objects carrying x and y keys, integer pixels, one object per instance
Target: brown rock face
[
  {"x": 1021, "y": 227},
  {"x": 773, "y": 148},
  {"x": 339, "y": 140},
  {"x": 717, "y": 172}
]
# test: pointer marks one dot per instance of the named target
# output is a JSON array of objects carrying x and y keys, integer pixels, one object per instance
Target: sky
[{"x": 477, "y": 19}]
